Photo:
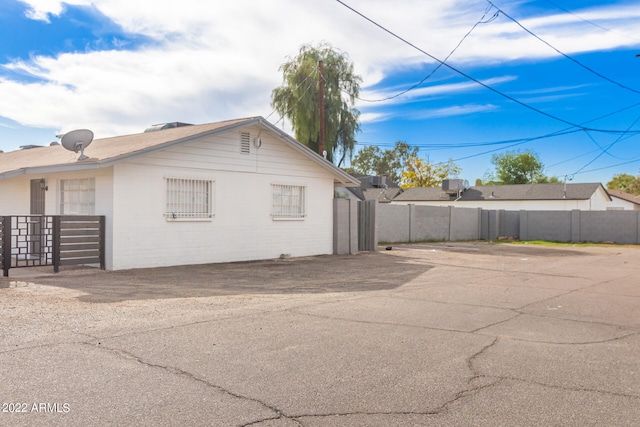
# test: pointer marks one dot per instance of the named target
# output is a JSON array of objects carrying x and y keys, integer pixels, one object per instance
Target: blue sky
[{"x": 117, "y": 67}]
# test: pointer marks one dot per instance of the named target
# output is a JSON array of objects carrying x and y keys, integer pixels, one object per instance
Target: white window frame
[
  {"x": 288, "y": 202},
  {"x": 78, "y": 196},
  {"x": 189, "y": 199}
]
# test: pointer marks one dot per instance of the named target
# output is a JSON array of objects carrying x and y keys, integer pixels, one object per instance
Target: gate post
[
  {"x": 56, "y": 243},
  {"x": 102, "y": 242},
  {"x": 5, "y": 229}
]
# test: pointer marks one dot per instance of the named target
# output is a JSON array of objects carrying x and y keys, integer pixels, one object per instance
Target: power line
[
  {"x": 608, "y": 147},
  {"x": 607, "y": 167},
  {"x": 480, "y": 21},
  {"x": 551, "y": 116},
  {"x": 588, "y": 21},
  {"x": 591, "y": 70},
  {"x": 293, "y": 106}
]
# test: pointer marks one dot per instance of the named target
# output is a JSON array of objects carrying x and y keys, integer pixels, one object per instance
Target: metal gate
[
  {"x": 41, "y": 240},
  {"x": 367, "y": 236}
]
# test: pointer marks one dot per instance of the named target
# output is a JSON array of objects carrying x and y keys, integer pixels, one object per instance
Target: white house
[
  {"x": 371, "y": 188},
  {"x": 536, "y": 197},
  {"x": 623, "y": 201},
  {"x": 228, "y": 191}
]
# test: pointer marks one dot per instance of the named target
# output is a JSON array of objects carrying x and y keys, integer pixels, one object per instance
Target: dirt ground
[{"x": 423, "y": 334}]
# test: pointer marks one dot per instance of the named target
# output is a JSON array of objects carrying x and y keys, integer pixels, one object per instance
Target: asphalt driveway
[{"x": 429, "y": 334}]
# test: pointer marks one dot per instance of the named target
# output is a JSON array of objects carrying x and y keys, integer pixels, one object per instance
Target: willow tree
[{"x": 298, "y": 99}]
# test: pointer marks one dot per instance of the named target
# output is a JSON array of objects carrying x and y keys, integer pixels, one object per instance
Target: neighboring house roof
[
  {"x": 108, "y": 151},
  {"x": 369, "y": 189},
  {"x": 505, "y": 192},
  {"x": 625, "y": 196}
]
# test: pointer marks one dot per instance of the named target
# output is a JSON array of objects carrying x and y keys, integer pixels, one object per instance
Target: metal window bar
[
  {"x": 189, "y": 198},
  {"x": 288, "y": 201}
]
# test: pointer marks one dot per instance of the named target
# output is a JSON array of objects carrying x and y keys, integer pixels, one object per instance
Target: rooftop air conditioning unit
[
  {"x": 379, "y": 181},
  {"x": 454, "y": 186}
]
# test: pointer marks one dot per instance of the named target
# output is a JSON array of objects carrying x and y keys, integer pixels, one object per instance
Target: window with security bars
[
  {"x": 77, "y": 196},
  {"x": 288, "y": 201},
  {"x": 189, "y": 198}
]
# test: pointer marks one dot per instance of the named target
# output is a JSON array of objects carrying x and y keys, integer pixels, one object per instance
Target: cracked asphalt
[{"x": 438, "y": 334}]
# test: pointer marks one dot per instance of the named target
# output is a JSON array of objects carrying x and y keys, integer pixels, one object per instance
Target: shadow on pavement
[{"x": 321, "y": 274}]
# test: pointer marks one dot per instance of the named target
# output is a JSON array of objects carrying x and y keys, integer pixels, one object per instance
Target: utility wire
[
  {"x": 608, "y": 167},
  {"x": 293, "y": 106},
  {"x": 480, "y": 21},
  {"x": 591, "y": 70},
  {"x": 588, "y": 21},
  {"x": 608, "y": 147},
  {"x": 551, "y": 116}
]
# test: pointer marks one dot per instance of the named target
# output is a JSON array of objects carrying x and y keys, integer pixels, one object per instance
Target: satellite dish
[{"x": 77, "y": 140}]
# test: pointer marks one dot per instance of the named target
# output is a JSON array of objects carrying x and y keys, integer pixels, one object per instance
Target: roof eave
[
  {"x": 342, "y": 177},
  {"x": 78, "y": 166}
]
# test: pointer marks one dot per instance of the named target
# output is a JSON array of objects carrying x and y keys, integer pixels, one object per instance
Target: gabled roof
[
  {"x": 369, "y": 191},
  {"x": 624, "y": 196},
  {"x": 108, "y": 151},
  {"x": 505, "y": 192}
]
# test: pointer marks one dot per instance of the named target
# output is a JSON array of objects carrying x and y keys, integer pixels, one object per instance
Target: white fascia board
[{"x": 71, "y": 167}]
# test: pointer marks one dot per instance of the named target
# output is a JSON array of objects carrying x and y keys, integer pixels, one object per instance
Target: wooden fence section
[{"x": 57, "y": 240}]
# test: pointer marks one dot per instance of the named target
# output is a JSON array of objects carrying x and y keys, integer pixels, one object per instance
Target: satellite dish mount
[{"x": 77, "y": 140}]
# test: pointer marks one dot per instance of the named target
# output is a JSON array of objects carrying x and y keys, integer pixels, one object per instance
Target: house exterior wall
[
  {"x": 242, "y": 227},
  {"x": 599, "y": 201},
  {"x": 16, "y": 196},
  {"x": 621, "y": 204},
  {"x": 530, "y": 205}
]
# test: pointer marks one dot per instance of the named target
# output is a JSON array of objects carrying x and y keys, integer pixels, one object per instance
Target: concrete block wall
[
  {"x": 429, "y": 223},
  {"x": 410, "y": 223},
  {"x": 546, "y": 225},
  {"x": 608, "y": 226},
  {"x": 394, "y": 223},
  {"x": 345, "y": 226},
  {"x": 465, "y": 224}
]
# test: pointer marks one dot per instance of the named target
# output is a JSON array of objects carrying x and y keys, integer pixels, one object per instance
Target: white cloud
[
  {"x": 214, "y": 61},
  {"x": 455, "y": 110}
]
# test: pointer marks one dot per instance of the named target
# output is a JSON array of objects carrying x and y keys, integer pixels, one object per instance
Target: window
[
  {"x": 288, "y": 201},
  {"x": 189, "y": 198},
  {"x": 77, "y": 196}
]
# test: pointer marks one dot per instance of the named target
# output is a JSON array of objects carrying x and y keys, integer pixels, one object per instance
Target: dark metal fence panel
[
  {"x": 31, "y": 240},
  {"x": 5, "y": 247},
  {"x": 367, "y": 236},
  {"x": 40, "y": 240},
  {"x": 81, "y": 240}
]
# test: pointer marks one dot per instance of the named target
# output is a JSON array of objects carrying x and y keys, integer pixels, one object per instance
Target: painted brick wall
[{"x": 242, "y": 227}]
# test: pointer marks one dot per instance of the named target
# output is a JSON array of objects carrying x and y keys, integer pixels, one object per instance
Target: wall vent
[{"x": 245, "y": 143}]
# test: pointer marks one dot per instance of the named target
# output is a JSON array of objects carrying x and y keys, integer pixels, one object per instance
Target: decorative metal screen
[
  {"x": 189, "y": 198},
  {"x": 31, "y": 240},
  {"x": 289, "y": 201},
  {"x": 39, "y": 240}
]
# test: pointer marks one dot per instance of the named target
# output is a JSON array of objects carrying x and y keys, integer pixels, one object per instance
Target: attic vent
[{"x": 245, "y": 143}]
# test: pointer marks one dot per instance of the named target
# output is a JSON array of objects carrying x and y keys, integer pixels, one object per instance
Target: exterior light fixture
[{"x": 43, "y": 185}]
